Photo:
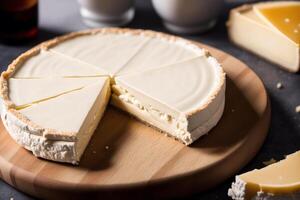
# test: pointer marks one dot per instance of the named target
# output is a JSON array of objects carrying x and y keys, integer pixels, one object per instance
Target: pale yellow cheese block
[
  {"x": 257, "y": 30},
  {"x": 280, "y": 180}
]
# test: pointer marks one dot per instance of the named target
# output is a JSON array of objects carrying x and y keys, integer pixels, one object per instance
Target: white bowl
[
  {"x": 103, "y": 13},
  {"x": 188, "y": 16}
]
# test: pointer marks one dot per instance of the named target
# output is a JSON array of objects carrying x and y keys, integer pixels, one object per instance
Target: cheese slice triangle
[
  {"x": 171, "y": 100},
  {"x": 270, "y": 30},
  {"x": 157, "y": 53},
  {"x": 49, "y": 64},
  {"x": 284, "y": 17},
  {"x": 72, "y": 117},
  {"x": 23, "y": 92},
  {"x": 280, "y": 180},
  {"x": 107, "y": 52}
]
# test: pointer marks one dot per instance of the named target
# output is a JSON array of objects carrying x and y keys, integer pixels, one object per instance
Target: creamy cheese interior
[{"x": 174, "y": 102}]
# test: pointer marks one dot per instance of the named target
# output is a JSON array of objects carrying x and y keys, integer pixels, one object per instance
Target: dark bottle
[{"x": 18, "y": 20}]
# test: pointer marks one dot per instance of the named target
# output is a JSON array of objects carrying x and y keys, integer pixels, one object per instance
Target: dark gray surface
[{"x": 60, "y": 16}]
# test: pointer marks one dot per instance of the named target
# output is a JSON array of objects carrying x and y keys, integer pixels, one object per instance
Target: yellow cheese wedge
[
  {"x": 285, "y": 17},
  {"x": 270, "y": 30},
  {"x": 280, "y": 180}
]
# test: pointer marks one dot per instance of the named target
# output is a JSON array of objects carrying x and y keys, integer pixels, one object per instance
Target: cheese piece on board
[
  {"x": 184, "y": 105},
  {"x": 160, "y": 52},
  {"x": 163, "y": 80},
  {"x": 60, "y": 128},
  {"x": 270, "y": 30},
  {"x": 280, "y": 180}
]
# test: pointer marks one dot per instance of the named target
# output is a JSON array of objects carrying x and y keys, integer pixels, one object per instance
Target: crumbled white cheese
[
  {"x": 297, "y": 109},
  {"x": 279, "y": 85}
]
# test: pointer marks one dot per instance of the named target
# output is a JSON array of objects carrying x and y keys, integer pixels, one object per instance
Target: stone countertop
[{"x": 61, "y": 16}]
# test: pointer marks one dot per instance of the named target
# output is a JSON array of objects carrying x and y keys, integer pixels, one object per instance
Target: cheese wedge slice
[
  {"x": 185, "y": 106},
  {"x": 39, "y": 64},
  {"x": 270, "y": 30},
  {"x": 166, "y": 52},
  {"x": 280, "y": 180},
  {"x": 283, "y": 17},
  {"x": 119, "y": 53},
  {"x": 108, "y": 52},
  {"x": 60, "y": 128},
  {"x": 23, "y": 92}
]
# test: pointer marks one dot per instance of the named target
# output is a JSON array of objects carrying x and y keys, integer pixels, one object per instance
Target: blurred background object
[
  {"x": 18, "y": 20},
  {"x": 103, "y": 13},
  {"x": 188, "y": 17}
]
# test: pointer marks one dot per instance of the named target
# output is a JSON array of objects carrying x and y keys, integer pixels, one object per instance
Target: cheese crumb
[
  {"x": 106, "y": 147},
  {"x": 279, "y": 85},
  {"x": 269, "y": 162},
  {"x": 297, "y": 109},
  {"x": 11, "y": 198}
]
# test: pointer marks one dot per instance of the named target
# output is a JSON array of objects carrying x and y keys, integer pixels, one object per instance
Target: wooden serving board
[{"x": 127, "y": 159}]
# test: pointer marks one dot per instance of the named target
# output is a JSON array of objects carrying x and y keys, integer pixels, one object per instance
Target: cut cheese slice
[
  {"x": 280, "y": 180},
  {"x": 66, "y": 123},
  {"x": 166, "y": 52},
  {"x": 49, "y": 64},
  {"x": 269, "y": 30},
  {"x": 107, "y": 52},
  {"x": 184, "y": 105},
  {"x": 283, "y": 16},
  {"x": 23, "y": 92}
]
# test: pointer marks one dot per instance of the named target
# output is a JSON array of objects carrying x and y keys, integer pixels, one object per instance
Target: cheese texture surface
[{"x": 280, "y": 180}]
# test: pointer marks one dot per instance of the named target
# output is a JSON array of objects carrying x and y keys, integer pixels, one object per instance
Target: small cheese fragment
[
  {"x": 67, "y": 122},
  {"x": 281, "y": 179}
]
